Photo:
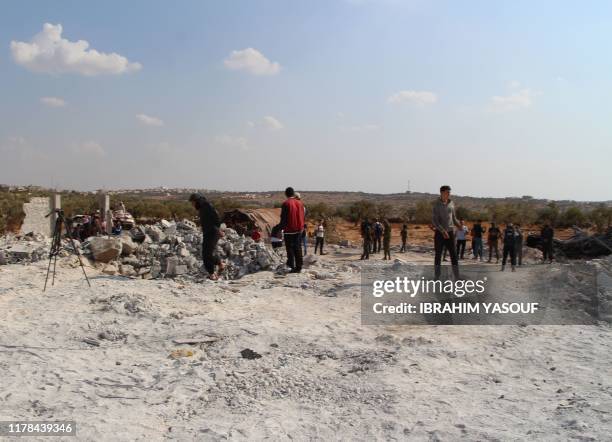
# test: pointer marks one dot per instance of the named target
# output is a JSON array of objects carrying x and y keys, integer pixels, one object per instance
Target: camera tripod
[{"x": 56, "y": 244}]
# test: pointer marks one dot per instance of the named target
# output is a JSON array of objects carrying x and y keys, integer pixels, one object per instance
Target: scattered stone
[
  {"x": 110, "y": 269},
  {"x": 310, "y": 260},
  {"x": 128, "y": 246},
  {"x": 180, "y": 353},
  {"x": 105, "y": 249},
  {"x": 196, "y": 340},
  {"x": 247, "y": 353},
  {"x": 91, "y": 341},
  {"x": 127, "y": 270}
]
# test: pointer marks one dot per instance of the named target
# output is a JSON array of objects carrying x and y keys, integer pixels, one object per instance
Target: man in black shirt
[
  {"x": 477, "y": 232},
  {"x": 493, "y": 242},
  {"x": 366, "y": 234},
  {"x": 210, "y": 222},
  {"x": 509, "y": 247},
  {"x": 547, "y": 235}
]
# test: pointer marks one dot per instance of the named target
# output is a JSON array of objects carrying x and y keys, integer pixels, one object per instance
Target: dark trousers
[
  {"x": 493, "y": 246},
  {"x": 449, "y": 243},
  {"x": 477, "y": 247},
  {"x": 387, "y": 249},
  {"x": 404, "y": 240},
  {"x": 293, "y": 243},
  {"x": 319, "y": 243},
  {"x": 366, "y": 249},
  {"x": 377, "y": 244},
  {"x": 548, "y": 250},
  {"x": 509, "y": 250},
  {"x": 460, "y": 247},
  {"x": 209, "y": 245}
]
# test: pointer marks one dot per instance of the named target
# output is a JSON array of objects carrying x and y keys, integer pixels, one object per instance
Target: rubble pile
[
  {"x": 169, "y": 249},
  {"x": 23, "y": 249}
]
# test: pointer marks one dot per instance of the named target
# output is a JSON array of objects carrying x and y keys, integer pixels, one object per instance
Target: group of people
[
  {"x": 290, "y": 230},
  {"x": 450, "y": 235},
  {"x": 376, "y": 234},
  {"x": 88, "y": 225}
]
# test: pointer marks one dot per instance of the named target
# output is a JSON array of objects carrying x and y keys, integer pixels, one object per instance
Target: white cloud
[
  {"x": 148, "y": 120},
  {"x": 232, "y": 142},
  {"x": 251, "y": 60},
  {"x": 48, "y": 52},
  {"x": 268, "y": 122},
  {"x": 514, "y": 84},
  {"x": 515, "y": 101},
  {"x": 90, "y": 148},
  {"x": 419, "y": 97},
  {"x": 53, "y": 102},
  {"x": 272, "y": 123}
]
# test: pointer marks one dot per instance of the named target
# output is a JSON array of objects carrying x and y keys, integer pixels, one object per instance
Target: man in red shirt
[{"x": 292, "y": 224}]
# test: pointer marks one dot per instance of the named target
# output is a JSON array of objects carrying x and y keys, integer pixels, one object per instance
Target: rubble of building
[
  {"x": 23, "y": 249},
  {"x": 170, "y": 249},
  {"x": 162, "y": 250}
]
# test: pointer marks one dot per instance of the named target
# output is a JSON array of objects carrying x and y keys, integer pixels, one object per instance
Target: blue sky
[{"x": 493, "y": 98}]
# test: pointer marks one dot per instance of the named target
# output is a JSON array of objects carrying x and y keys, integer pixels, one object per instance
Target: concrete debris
[
  {"x": 128, "y": 246},
  {"x": 105, "y": 249},
  {"x": 167, "y": 249},
  {"x": 171, "y": 249},
  {"x": 23, "y": 249}
]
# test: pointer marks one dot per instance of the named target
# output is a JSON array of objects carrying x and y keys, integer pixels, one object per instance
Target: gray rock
[{"x": 128, "y": 246}]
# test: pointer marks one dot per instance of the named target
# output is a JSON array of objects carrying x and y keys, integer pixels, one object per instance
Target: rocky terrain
[{"x": 285, "y": 356}]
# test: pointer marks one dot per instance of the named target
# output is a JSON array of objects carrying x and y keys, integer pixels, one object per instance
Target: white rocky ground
[{"x": 321, "y": 374}]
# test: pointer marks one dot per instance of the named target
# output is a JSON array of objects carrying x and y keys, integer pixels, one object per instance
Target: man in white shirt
[
  {"x": 319, "y": 237},
  {"x": 461, "y": 233}
]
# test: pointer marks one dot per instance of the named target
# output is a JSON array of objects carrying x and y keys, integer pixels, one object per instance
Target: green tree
[
  {"x": 423, "y": 211},
  {"x": 572, "y": 216}
]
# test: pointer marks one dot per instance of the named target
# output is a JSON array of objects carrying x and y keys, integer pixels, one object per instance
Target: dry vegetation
[{"x": 334, "y": 207}]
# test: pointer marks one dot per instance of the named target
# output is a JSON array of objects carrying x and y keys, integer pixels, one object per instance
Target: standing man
[
  {"x": 366, "y": 234},
  {"x": 461, "y": 239},
  {"x": 378, "y": 234},
  {"x": 387, "y": 239},
  {"x": 477, "y": 232},
  {"x": 305, "y": 239},
  {"x": 444, "y": 221},
  {"x": 509, "y": 249},
  {"x": 319, "y": 237},
  {"x": 547, "y": 235},
  {"x": 518, "y": 243},
  {"x": 493, "y": 242},
  {"x": 209, "y": 220},
  {"x": 292, "y": 224},
  {"x": 404, "y": 235}
]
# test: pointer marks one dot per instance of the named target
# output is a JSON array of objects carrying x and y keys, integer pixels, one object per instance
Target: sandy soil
[{"x": 321, "y": 375}]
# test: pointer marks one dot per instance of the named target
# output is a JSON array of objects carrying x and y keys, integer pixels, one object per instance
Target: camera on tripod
[
  {"x": 56, "y": 244},
  {"x": 60, "y": 213}
]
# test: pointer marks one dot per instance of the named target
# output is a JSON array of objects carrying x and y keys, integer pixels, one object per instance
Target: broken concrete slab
[{"x": 105, "y": 249}]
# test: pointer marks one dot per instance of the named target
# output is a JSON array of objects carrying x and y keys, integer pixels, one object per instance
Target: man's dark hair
[
  {"x": 289, "y": 192},
  {"x": 479, "y": 221},
  {"x": 196, "y": 197},
  {"x": 444, "y": 188}
]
